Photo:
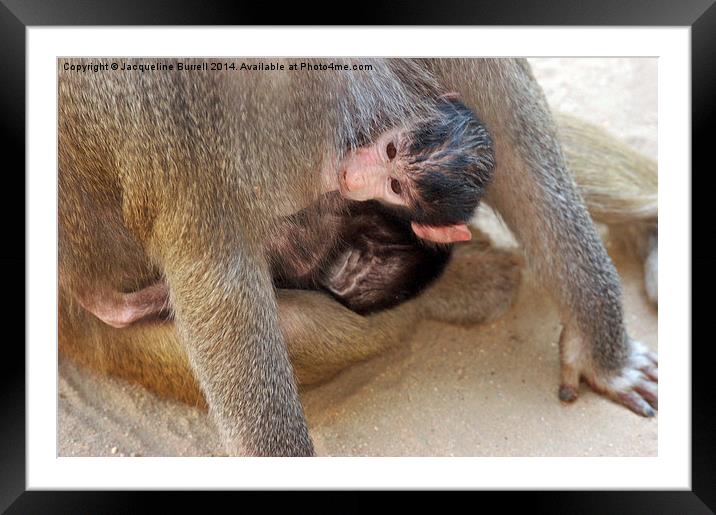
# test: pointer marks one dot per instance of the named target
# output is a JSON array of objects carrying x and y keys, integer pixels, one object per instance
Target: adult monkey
[
  {"x": 617, "y": 183},
  {"x": 130, "y": 157}
]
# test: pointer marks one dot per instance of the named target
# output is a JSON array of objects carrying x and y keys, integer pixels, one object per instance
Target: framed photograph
[{"x": 442, "y": 389}]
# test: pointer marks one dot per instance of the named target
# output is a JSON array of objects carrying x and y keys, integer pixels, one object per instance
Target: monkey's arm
[
  {"x": 226, "y": 315},
  {"x": 619, "y": 187},
  {"x": 537, "y": 198}
]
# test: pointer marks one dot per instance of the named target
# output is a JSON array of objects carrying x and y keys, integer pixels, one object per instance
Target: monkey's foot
[{"x": 634, "y": 386}]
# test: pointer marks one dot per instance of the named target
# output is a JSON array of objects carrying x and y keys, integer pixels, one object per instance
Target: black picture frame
[{"x": 17, "y": 15}]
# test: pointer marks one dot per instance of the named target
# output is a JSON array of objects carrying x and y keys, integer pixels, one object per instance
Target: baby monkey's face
[
  {"x": 385, "y": 171},
  {"x": 377, "y": 171}
]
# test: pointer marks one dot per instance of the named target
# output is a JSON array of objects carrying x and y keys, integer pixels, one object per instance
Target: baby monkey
[
  {"x": 386, "y": 206},
  {"x": 432, "y": 173},
  {"x": 420, "y": 183}
]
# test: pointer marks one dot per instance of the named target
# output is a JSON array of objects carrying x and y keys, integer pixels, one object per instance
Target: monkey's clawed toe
[
  {"x": 635, "y": 402},
  {"x": 636, "y": 385}
]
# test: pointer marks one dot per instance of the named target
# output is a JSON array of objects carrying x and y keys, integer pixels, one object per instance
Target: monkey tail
[{"x": 618, "y": 184}]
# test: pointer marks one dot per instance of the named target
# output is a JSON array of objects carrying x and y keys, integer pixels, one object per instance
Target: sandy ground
[{"x": 487, "y": 390}]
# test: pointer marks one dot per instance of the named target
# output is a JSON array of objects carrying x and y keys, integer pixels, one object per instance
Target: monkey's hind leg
[
  {"x": 323, "y": 337},
  {"x": 479, "y": 284}
]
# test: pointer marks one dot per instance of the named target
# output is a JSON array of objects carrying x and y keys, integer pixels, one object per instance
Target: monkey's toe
[
  {"x": 636, "y": 403},
  {"x": 652, "y": 372},
  {"x": 567, "y": 393},
  {"x": 636, "y": 384},
  {"x": 648, "y": 390}
]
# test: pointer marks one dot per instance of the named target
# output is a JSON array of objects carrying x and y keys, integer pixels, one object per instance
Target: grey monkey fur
[{"x": 197, "y": 215}]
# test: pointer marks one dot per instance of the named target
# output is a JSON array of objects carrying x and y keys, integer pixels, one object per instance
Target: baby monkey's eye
[
  {"x": 395, "y": 186},
  {"x": 391, "y": 151}
]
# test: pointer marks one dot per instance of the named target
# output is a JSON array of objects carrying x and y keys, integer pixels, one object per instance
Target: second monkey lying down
[{"x": 371, "y": 245}]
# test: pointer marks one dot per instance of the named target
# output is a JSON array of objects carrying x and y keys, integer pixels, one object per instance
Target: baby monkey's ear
[{"x": 443, "y": 233}]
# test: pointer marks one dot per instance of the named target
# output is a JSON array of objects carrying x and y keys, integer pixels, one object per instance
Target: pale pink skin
[
  {"x": 124, "y": 309},
  {"x": 364, "y": 174}
]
